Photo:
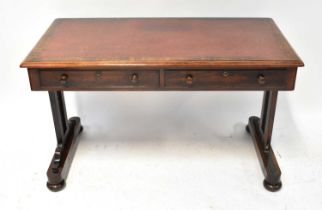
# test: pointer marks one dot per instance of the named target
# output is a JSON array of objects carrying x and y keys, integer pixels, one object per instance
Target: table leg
[
  {"x": 66, "y": 133},
  {"x": 261, "y": 131}
]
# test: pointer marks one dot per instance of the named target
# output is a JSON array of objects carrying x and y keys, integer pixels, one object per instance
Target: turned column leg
[
  {"x": 66, "y": 133},
  {"x": 261, "y": 132}
]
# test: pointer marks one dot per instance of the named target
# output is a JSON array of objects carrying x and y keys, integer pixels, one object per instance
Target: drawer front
[
  {"x": 100, "y": 79},
  {"x": 166, "y": 79},
  {"x": 229, "y": 79}
]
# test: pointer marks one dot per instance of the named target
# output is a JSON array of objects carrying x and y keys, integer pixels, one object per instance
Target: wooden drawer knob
[
  {"x": 98, "y": 74},
  {"x": 225, "y": 74},
  {"x": 261, "y": 79},
  {"x": 63, "y": 79},
  {"x": 189, "y": 79},
  {"x": 134, "y": 78}
]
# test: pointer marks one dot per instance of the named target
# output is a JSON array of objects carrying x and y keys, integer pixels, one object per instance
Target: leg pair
[{"x": 68, "y": 130}]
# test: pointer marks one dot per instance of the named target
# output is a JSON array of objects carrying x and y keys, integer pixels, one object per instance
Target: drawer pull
[
  {"x": 98, "y": 74},
  {"x": 63, "y": 79},
  {"x": 189, "y": 79},
  {"x": 135, "y": 78},
  {"x": 225, "y": 74},
  {"x": 261, "y": 79}
]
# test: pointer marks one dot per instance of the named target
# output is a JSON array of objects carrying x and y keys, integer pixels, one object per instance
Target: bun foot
[
  {"x": 272, "y": 187},
  {"x": 247, "y": 129},
  {"x": 56, "y": 187}
]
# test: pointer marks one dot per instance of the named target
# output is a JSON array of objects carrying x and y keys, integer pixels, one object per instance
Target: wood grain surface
[{"x": 161, "y": 43}]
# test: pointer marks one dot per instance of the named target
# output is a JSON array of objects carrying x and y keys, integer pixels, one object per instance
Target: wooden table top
[{"x": 162, "y": 42}]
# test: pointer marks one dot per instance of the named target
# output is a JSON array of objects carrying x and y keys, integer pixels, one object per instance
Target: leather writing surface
[{"x": 162, "y": 41}]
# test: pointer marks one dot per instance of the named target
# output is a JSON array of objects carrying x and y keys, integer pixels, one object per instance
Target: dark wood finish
[
  {"x": 261, "y": 132},
  {"x": 58, "y": 109},
  {"x": 229, "y": 79},
  {"x": 267, "y": 116},
  {"x": 163, "y": 43},
  {"x": 164, "y": 79},
  {"x": 87, "y": 80},
  {"x": 162, "y": 54},
  {"x": 34, "y": 79},
  {"x": 66, "y": 132}
]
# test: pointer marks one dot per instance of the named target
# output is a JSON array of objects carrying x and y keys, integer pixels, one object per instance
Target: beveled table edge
[{"x": 165, "y": 64}]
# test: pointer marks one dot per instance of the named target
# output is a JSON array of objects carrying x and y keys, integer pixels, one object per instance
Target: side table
[{"x": 162, "y": 54}]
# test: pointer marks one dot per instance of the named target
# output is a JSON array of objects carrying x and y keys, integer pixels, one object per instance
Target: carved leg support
[
  {"x": 66, "y": 132},
  {"x": 261, "y": 131}
]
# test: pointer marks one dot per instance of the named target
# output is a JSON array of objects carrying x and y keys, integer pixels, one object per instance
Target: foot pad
[
  {"x": 56, "y": 187},
  {"x": 272, "y": 187}
]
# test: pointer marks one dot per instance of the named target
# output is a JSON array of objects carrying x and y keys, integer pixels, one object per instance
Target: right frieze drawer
[{"x": 282, "y": 79}]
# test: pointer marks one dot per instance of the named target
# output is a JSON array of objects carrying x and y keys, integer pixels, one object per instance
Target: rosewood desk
[{"x": 183, "y": 54}]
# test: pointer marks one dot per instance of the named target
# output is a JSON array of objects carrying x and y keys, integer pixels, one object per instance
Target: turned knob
[
  {"x": 134, "y": 78},
  {"x": 63, "y": 79},
  {"x": 225, "y": 74},
  {"x": 189, "y": 79},
  {"x": 261, "y": 79},
  {"x": 98, "y": 74}
]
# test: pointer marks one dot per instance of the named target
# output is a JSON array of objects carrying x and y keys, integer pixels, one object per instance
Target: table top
[{"x": 162, "y": 42}]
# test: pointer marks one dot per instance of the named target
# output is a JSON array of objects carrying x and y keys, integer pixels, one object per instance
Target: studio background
[{"x": 160, "y": 150}]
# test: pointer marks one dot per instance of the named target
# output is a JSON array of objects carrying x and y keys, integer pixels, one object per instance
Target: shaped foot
[
  {"x": 56, "y": 187},
  {"x": 272, "y": 187}
]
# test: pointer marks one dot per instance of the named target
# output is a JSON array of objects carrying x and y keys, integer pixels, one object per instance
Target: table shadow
[{"x": 176, "y": 123}]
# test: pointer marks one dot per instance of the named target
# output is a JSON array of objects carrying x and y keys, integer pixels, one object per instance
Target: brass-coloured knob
[
  {"x": 134, "y": 78},
  {"x": 63, "y": 79},
  {"x": 189, "y": 79},
  {"x": 261, "y": 79}
]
